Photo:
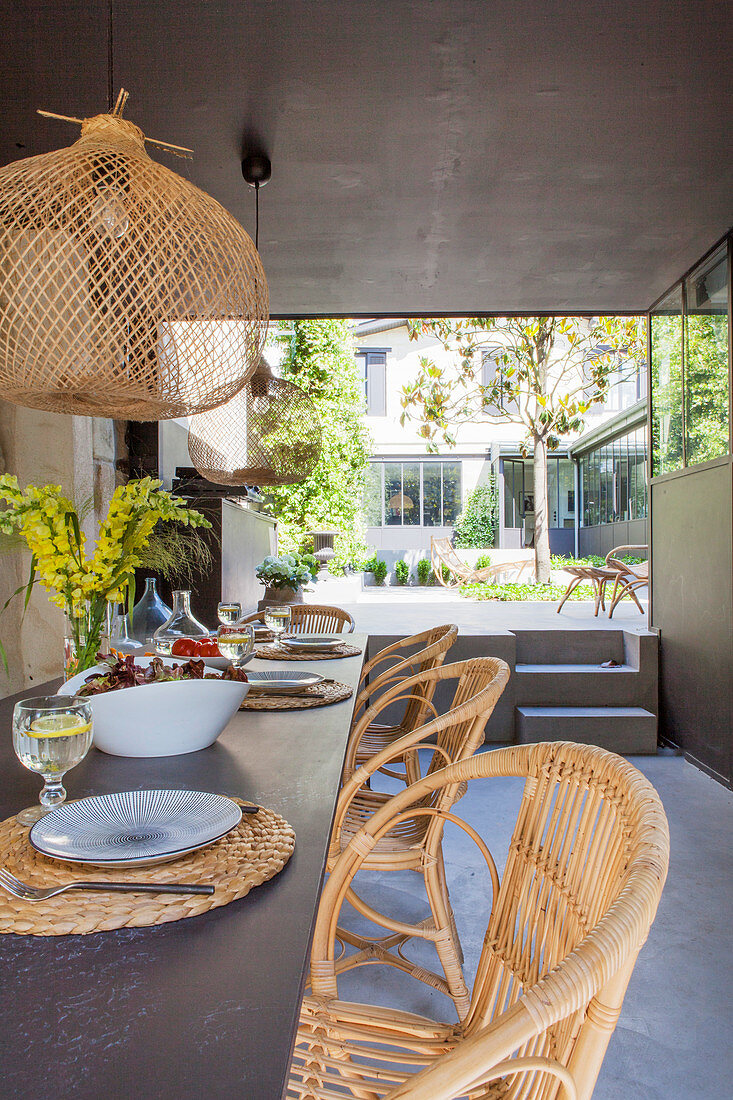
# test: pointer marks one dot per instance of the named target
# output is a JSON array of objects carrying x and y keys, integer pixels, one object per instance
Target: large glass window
[
  {"x": 666, "y": 351},
  {"x": 451, "y": 492},
  {"x": 406, "y": 494},
  {"x": 706, "y": 360},
  {"x": 613, "y": 479},
  {"x": 690, "y": 338}
]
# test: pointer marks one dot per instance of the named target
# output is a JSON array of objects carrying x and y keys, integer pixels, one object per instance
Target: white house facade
[{"x": 412, "y": 495}]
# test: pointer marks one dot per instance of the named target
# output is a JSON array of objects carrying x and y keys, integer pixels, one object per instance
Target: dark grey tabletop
[{"x": 205, "y": 1007}]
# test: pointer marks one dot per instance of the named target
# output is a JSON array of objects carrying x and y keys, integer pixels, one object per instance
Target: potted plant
[
  {"x": 401, "y": 572},
  {"x": 283, "y": 579},
  {"x": 424, "y": 571}
]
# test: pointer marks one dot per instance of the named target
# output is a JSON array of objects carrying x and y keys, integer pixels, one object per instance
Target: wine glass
[
  {"x": 51, "y": 735},
  {"x": 236, "y": 642},
  {"x": 228, "y": 613},
  {"x": 277, "y": 618}
]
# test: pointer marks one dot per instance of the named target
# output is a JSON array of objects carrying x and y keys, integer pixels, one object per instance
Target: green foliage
[
  {"x": 477, "y": 524},
  {"x": 320, "y": 359},
  {"x": 524, "y": 592},
  {"x": 424, "y": 571},
  {"x": 446, "y": 573},
  {"x": 376, "y": 566},
  {"x": 402, "y": 572},
  {"x": 483, "y": 562},
  {"x": 559, "y": 562},
  {"x": 706, "y": 389}
]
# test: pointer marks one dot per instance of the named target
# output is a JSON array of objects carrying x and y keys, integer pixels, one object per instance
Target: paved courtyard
[{"x": 408, "y": 610}]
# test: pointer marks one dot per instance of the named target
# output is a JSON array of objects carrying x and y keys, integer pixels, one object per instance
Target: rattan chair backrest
[
  {"x": 311, "y": 618},
  {"x": 585, "y": 870},
  {"x": 407, "y": 657}
]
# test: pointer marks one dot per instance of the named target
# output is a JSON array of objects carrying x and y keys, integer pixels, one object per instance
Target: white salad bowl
[{"x": 166, "y": 719}]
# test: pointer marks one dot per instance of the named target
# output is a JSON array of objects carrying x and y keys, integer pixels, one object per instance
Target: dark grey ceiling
[{"x": 435, "y": 155}]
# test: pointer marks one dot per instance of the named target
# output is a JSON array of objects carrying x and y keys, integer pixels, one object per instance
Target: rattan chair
[
  {"x": 584, "y": 874},
  {"x": 311, "y": 618},
  {"x": 628, "y": 578},
  {"x": 418, "y": 845},
  {"x": 442, "y": 555},
  {"x": 409, "y": 656}
]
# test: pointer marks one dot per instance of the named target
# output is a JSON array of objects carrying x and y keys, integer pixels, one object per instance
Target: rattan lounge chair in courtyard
[
  {"x": 442, "y": 555},
  {"x": 583, "y": 877}
]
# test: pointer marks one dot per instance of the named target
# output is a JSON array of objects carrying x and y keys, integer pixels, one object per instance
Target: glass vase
[
  {"x": 181, "y": 624},
  {"x": 85, "y": 635},
  {"x": 149, "y": 613}
]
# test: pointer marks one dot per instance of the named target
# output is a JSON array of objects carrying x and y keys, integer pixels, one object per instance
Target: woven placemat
[
  {"x": 254, "y": 852},
  {"x": 320, "y": 695},
  {"x": 276, "y": 653}
]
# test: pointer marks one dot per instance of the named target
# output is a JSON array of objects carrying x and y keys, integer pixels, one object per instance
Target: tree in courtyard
[
  {"x": 542, "y": 373},
  {"x": 319, "y": 357}
]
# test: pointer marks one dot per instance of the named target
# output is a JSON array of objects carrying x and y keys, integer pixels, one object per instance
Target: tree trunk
[{"x": 541, "y": 524}]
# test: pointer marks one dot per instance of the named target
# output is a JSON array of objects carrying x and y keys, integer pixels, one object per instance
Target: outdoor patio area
[{"x": 405, "y": 610}]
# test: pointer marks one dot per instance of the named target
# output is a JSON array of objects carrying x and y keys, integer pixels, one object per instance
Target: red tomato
[
  {"x": 207, "y": 647},
  {"x": 184, "y": 647}
]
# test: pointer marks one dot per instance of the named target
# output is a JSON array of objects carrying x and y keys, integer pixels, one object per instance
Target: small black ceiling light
[{"x": 257, "y": 170}]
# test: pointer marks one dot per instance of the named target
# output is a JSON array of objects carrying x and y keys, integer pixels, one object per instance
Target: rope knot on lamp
[{"x": 125, "y": 290}]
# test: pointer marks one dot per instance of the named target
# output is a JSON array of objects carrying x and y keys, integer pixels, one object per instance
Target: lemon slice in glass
[{"x": 59, "y": 725}]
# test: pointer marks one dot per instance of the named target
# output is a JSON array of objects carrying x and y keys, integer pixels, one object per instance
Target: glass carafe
[
  {"x": 120, "y": 635},
  {"x": 181, "y": 624},
  {"x": 149, "y": 613}
]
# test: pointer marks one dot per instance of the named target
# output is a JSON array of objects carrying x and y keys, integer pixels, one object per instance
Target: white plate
[
  {"x": 312, "y": 641},
  {"x": 282, "y": 683},
  {"x": 134, "y": 828}
]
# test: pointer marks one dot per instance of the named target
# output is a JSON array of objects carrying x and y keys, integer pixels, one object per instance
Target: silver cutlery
[{"x": 26, "y": 892}]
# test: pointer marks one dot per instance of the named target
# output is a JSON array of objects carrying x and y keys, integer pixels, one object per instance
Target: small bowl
[{"x": 167, "y": 719}]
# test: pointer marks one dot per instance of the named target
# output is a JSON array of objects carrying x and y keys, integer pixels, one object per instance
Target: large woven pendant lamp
[
  {"x": 268, "y": 434},
  {"x": 125, "y": 291}
]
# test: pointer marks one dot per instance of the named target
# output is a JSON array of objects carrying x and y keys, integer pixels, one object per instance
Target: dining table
[{"x": 202, "y": 1007}]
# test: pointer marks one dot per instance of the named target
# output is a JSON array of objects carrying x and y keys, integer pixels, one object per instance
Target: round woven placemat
[
  {"x": 320, "y": 695},
  {"x": 254, "y": 852},
  {"x": 275, "y": 653}
]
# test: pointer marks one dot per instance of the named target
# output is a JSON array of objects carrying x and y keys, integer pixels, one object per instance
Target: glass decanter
[
  {"x": 120, "y": 635},
  {"x": 149, "y": 613},
  {"x": 181, "y": 624}
]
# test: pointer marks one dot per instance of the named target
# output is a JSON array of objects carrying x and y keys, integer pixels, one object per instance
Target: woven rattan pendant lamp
[
  {"x": 125, "y": 291},
  {"x": 268, "y": 434}
]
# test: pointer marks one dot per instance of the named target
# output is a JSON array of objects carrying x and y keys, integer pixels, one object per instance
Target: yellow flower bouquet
[{"x": 82, "y": 586}]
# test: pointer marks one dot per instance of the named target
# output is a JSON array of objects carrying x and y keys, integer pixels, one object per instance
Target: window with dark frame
[
  {"x": 413, "y": 493},
  {"x": 375, "y": 379}
]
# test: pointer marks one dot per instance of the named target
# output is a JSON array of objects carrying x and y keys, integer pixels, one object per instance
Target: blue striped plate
[{"x": 134, "y": 828}]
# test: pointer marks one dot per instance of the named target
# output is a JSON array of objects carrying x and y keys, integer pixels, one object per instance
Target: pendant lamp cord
[
  {"x": 110, "y": 58},
  {"x": 257, "y": 216}
]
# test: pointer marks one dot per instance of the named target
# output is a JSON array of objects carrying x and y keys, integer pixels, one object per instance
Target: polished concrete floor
[{"x": 673, "y": 1038}]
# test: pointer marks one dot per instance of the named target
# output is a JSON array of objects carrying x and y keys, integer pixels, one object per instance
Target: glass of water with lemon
[
  {"x": 278, "y": 619},
  {"x": 51, "y": 735}
]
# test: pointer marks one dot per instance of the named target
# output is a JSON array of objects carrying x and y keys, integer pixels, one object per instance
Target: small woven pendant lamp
[
  {"x": 268, "y": 434},
  {"x": 125, "y": 291}
]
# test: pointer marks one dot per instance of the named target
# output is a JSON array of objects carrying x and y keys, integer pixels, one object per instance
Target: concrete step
[
  {"x": 576, "y": 685},
  {"x": 626, "y": 730},
  {"x": 552, "y": 647}
]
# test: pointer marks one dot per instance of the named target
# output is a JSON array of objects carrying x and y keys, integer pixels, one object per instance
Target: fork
[{"x": 26, "y": 892}]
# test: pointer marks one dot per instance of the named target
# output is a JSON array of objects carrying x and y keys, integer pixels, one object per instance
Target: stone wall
[{"x": 80, "y": 454}]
